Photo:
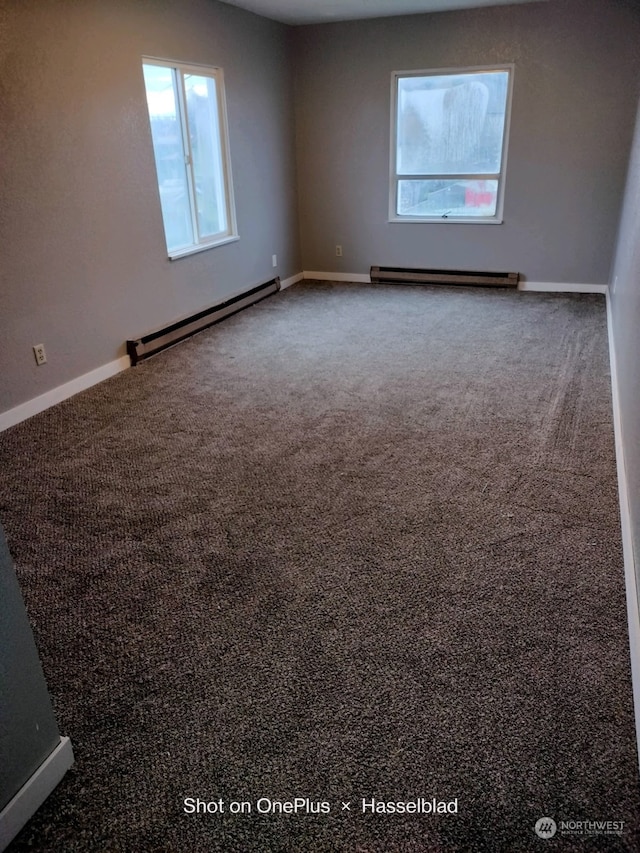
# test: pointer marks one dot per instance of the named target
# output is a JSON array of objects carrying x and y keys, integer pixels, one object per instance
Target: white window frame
[
  {"x": 394, "y": 178},
  {"x": 231, "y": 233}
]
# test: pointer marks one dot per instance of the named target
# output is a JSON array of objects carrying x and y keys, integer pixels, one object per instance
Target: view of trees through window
[{"x": 449, "y": 143}]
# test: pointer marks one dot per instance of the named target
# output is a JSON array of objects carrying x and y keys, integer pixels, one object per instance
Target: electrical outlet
[
  {"x": 40, "y": 354},
  {"x": 274, "y": 260},
  {"x": 338, "y": 251}
]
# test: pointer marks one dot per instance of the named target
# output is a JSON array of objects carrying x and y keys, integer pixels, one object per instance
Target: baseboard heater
[
  {"x": 178, "y": 330},
  {"x": 404, "y": 275}
]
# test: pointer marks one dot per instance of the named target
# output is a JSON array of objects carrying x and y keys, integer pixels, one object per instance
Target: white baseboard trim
[
  {"x": 633, "y": 603},
  {"x": 62, "y": 392},
  {"x": 293, "y": 279},
  {"x": 81, "y": 383},
  {"x": 562, "y": 287},
  {"x": 359, "y": 278},
  {"x": 540, "y": 286},
  {"x": 34, "y": 792}
]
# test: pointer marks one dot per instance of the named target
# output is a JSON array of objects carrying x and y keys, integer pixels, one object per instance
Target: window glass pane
[
  {"x": 451, "y": 124},
  {"x": 447, "y": 198},
  {"x": 204, "y": 135},
  {"x": 168, "y": 149}
]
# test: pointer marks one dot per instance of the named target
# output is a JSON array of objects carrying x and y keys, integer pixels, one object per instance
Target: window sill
[
  {"x": 448, "y": 220},
  {"x": 203, "y": 247}
]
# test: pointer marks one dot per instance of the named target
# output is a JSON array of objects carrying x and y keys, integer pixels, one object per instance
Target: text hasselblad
[{"x": 305, "y": 805}]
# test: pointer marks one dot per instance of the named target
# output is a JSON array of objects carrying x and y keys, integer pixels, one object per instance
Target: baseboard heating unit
[
  {"x": 166, "y": 336},
  {"x": 404, "y": 275}
]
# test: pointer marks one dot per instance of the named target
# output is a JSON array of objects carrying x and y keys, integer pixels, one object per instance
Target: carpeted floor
[{"x": 355, "y": 542}]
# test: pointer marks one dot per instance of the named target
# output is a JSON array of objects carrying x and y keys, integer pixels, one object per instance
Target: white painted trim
[
  {"x": 633, "y": 603},
  {"x": 201, "y": 247},
  {"x": 81, "y": 383},
  {"x": 357, "y": 277},
  {"x": 541, "y": 286},
  {"x": 34, "y": 792},
  {"x": 62, "y": 392},
  {"x": 294, "y": 279},
  {"x": 407, "y": 219},
  {"x": 562, "y": 287}
]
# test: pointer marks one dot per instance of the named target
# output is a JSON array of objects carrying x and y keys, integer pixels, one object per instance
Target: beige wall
[{"x": 84, "y": 262}]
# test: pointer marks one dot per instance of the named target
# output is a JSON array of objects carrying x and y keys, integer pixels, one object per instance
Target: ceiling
[{"x": 323, "y": 11}]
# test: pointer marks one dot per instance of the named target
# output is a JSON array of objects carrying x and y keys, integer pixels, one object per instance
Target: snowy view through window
[{"x": 449, "y": 143}]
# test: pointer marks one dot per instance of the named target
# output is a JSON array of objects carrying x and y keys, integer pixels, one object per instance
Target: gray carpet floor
[{"x": 354, "y": 542}]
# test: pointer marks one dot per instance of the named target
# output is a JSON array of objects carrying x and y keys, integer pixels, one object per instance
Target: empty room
[{"x": 319, "y": 426}]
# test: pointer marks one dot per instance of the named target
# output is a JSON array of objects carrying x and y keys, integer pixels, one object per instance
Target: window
[
  {"x": 448, "y": 145},
  {"x": 188, "y": 128}
]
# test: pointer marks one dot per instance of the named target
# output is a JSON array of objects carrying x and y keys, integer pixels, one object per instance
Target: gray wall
[
  {"x": 28, "y": 730},
  {"x": 83, "y": 258},
  {"x": 625, "y": 310},
  {"x": 576, "y": 84},
  {"x": 84, "y": 262}
]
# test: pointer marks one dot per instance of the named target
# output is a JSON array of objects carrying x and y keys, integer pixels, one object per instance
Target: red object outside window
[{"x": 478, "y": 195}]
